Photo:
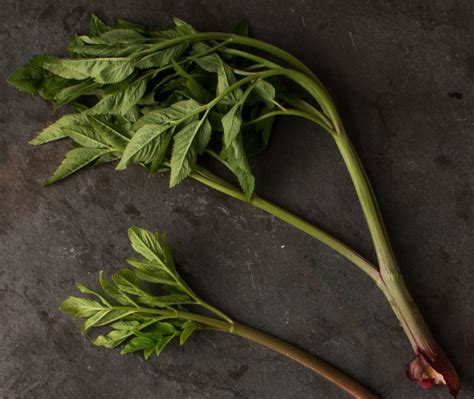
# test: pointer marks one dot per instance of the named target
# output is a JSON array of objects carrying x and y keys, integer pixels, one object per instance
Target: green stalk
[
  {"x": 318, "y": 366},
  {"x": 207, "y": 178}
]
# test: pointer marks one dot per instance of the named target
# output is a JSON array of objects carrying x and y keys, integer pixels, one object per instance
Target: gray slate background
[{"x": 402, "y": 74}]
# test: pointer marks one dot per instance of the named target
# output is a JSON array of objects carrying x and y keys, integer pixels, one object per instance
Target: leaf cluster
[
  {"x": 144, "y": 308},
  {"x": 157, "y": 98}
]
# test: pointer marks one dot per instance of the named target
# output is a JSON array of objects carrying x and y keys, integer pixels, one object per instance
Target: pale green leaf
[
  {"x": 112, "y": 339},
  {"x": 146, "y": 243},
  {"x": 86, "y": 290},
  {"x": 137, "y": 343},
  {"x": 80, "y": 307},
  {"x": 188, "y": 328},
  {"x": 93, "y": 320},
  {"x": 114, "y": 293}
]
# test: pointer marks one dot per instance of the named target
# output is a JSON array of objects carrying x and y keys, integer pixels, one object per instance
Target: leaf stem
[
  {"x": 206, "y": 177},
  {"x": 317, "y": 365}
]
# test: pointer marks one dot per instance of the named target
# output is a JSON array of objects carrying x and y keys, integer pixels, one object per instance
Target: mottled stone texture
[{"x": 402, "y": 73}]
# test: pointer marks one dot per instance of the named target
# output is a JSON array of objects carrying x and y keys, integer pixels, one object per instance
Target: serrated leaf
[
  {"x": 168, "y": 114},
  {"x": 86, "y": 290},
  {"x": 148, "y": 144},
  {"x": 75, "y": 159},
  {"x": 155, "y": 277},
  {"x": 161, "y": 58},
  {"x": 231, "y": 122},
  {"x": 109, "y": 132},
  {"x": 162, "y": 344},
  {"x": 93, "y": 320},
  {"x": 195, "y": 88},
  {"x": 146, "y": 243},
  {"x": 238, "y": 163},
  {"x": 265, "y": 91},
  {"x": 112, "y": 339},
  {"x": 184, "y": 27},
  {"x": 113, "y": 316},
  {"x": 189, "y": 142},
  {"x": 71, "y": 93},
  {"x": 80, "y": 307},
  {"x": 102, "y": 70},
  {"x": 126, "y": 325},
  {"x": 85, "y": 137},
  {"x": 188, "y": 328},
  {"x": 127, "y": 282},
  {"x": 166, "y": 300},
  {"x": 97, "y": 26},
  {"x": 114, "y": 293},
  {"x": 136, "y": 344},
  {"x": 29, "y": 78},
  {"x": 121, "y": 101},
  {"x": 121, "y": 36},
  {"x": 122, "y": 23},
  {"x": 54, "y": 131}
]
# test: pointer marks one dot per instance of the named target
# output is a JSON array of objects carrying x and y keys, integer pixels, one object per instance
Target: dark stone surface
[{"x": 402, "y": 73}]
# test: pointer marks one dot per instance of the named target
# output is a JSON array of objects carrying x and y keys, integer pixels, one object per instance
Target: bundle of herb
[
  {"x": 146, "y": 308},
  {"x": 165, "y": 98}
]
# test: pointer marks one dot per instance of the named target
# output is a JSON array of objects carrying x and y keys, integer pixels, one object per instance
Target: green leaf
[
  {"x": 161, "y": 58},
  {"x": 121, "y": 101},
  {"x": 102, "y": 70},
  {"x": 80, "y": 307},
  {"x": 85, "y": 290},
  {"x": 29, "y": 78},
  {"x": 114, "y": 293},
  {"x": 162, "y": 344},
  {"x": 189, "y": 142},
  {"x": 238, "y": 163},
  {"x": 169, "y": 114},
  {"x": 109, "y": 132},
  {"x": 148, "y": 144},
  {"x": 121, "y": 36},
  {"x": 148, "y": 244},
  {"x": 195, "y": 88},
  {"x": 93, "y": 320},
  {"x": 155, "y": 277},
  {"x": 166, "y": 300},
  {"x": 122, "y": 23},
  {"x": 71, "y": 93},
  {"x": 127, "y": 282},
  {"x": 97, "y": 26},
  {"x": 113, "y": 316},
  {"x": 188, "y": 328},
  {"x": 126, "y": 325},
  {"x": 137, "y": 343},
  {"x": 184, "y": 27},
  {"x": 231, "y": 122},
  {"x": 112, "y": 339},
  {"x": 54, "y": 131},
  {"x": 75, "y": 160},
  {"x": 86, "y": 137},
  {"x": 266, "y": 91},
  {"x": 210, "y": 63}
]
